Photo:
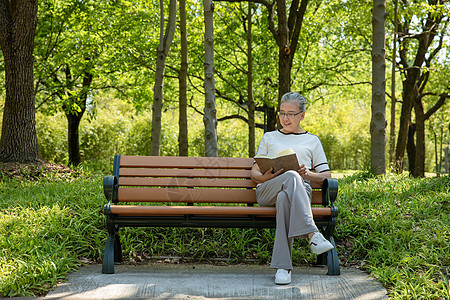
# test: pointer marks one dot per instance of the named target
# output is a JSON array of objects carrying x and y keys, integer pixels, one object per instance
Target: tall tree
[
  {"x": 286, "y": 34},
  {"x": 68, "y": 51},
  {"x": 417, "y": 32},
  {"x": 251, "y": 101},
  {"x": 378, "y": 122},
  {"x": 393, "y": 96},
  {"x": 242, "y": 66},
  {"x": 183, "y": 142},
  {"x": 209, "y": 117},
  {"x": 165, "y": 41},
  {"x": 74, "y": 107},
  {"x": 18, "y": 21}
]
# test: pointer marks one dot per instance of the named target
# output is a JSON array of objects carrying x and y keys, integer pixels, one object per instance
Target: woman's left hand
[
  {"x": 303, "y": 171},
  {"x": 313, "y": 177}
]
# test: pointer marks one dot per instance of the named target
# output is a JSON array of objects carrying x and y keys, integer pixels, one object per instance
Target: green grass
[
  {"x": 394, "y": 227},
  {"x": 399, "y": 228},
  {"x": 45, "y": 227}
]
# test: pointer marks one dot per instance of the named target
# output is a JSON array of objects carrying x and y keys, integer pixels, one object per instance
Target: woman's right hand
[{"x": 259, "y": 177}]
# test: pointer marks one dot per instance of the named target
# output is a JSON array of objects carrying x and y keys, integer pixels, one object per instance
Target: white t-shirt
[{"x": 307, "y": 147}]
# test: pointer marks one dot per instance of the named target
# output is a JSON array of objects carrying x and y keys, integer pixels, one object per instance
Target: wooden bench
[{"x": 197, "y": 192}]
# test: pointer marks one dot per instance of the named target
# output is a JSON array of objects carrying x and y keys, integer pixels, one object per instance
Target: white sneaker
[
  {"x": 319, "y": 244},
  {"x": 283, "y": 276}
]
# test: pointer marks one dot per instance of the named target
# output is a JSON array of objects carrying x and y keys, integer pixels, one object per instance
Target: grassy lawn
[{"x": 394, "y": 227}]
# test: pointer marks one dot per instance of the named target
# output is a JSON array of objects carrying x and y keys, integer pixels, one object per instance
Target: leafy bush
[
  {"x": 138, "y": 139},
  {"x": 52, "y": 137},
  {"x": 101, "y": 138}
]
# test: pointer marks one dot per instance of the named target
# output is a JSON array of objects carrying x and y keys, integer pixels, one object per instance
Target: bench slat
[
  {"x": 129, "y": 210},
  {"x": 222, "y": 164},
  {"x": 186, "y": 195},
  {"x": 194, "y": 195},
  {"x": 185, "y": 162},
  {"x": 186, "y": 182},
  {"x": 202, "y": 173}
]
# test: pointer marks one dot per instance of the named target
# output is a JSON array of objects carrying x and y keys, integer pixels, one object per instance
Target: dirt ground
[{"x": 33, "y": 171}]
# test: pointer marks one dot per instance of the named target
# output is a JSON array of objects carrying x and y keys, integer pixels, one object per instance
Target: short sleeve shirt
[{"x": 307, "y": 147}]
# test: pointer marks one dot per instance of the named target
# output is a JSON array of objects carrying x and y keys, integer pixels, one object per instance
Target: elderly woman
[{"x": 291, "y": 191}]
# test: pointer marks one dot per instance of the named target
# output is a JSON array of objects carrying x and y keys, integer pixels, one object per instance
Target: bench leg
[
  {"x": 108, "y": 256},
  {"x": 323, "y": 258},
  {"x": 113, "y": 250},
  {"x": 117, "y": 247},
  {"x": 333, "y": 261}
]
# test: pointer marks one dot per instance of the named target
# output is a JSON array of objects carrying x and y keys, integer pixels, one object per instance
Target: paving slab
[{"x": 201, "y": 281}]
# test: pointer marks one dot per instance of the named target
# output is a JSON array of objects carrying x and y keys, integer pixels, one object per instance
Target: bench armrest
[
  {"x": 110, "y": 188},
  {"x": 330, "y": 189}
]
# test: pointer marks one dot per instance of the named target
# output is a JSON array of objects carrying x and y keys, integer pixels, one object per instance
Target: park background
[
  {"x": 96, "y": 63},
  {"x": 108, "y": 80}
]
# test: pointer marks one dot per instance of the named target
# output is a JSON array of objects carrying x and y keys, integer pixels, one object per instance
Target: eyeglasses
[{"x": 287, "y": 115}]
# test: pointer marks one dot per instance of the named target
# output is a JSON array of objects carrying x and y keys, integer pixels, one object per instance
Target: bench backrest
[{"x": 185, "y": 180}]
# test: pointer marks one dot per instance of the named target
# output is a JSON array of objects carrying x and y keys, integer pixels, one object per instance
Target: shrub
[{"x": 52, "y": 137}]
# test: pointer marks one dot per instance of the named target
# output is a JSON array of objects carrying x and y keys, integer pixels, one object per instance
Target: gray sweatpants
[{"x": 292, "y": 198}]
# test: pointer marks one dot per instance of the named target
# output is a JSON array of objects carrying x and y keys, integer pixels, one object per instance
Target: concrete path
[{"x": 194, "y": 281}]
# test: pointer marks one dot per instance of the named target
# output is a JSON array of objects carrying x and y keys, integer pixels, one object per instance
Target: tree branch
[
  {"x": 442, "y": 98},
  {"x": 270, "y": 9},
  {"x": 233, "y": 117},
  {"x": 298, "y": 26},
  {"x": 440, "y": 44},
  {"x": 195, "y": 108}
]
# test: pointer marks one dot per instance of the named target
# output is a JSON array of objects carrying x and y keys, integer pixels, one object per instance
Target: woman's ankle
[{"x": 311, "y": 234}]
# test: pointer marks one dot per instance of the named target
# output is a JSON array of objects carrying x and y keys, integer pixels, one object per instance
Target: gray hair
[{"x": 295, "y": 97}]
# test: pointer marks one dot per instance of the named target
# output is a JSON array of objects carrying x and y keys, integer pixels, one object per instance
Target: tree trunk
[
  {"x": 284, "y": 55},
  {"x": 287, "y": 36},
  {"x": 73, "y": 137},
  {"x": 419, "y": 155},
  {"x": 284, "y": 74},
  {"x": 165, "y": 41},
  {"x": 209, "y": 118},
  {"x": 446, "y": 164},
  {"x": 378, "y": 122},
  {"x": 183, "y": 142},
  {"x": 393, "y": 97},
  {"x": 251, "y": 101},
  {"x": 436, "y": 153},
  {"x": 74, "y": 119},
  {"x": 413, "y": 79},
  {"x": 18, "y": 141},
  {"x": 271, "y": 123},
  {"x": 411, "y": 147},
  {"x": 421, "y": 117},
  {"x": 409, "y": 92}
]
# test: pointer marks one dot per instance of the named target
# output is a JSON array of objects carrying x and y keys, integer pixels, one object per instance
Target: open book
[{"x": 286, "y": 160}]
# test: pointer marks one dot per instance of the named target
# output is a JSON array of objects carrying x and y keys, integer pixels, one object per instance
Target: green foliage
[
  {"x": 199, "y": 244},
  {"x": 394, "y": 227},
  {"x": 399, "y": 228},
  {"x": 117, "y": 44},
  {"x": 52, "y": 137},
  {"x": 117, "y": 128},
  {"x": 45, "y": 228},
  {"x": 68, "y": 51},
  {"x": 352, "y": 137}
]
